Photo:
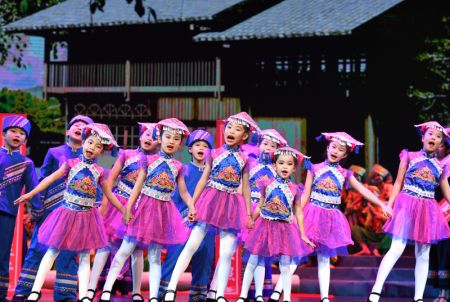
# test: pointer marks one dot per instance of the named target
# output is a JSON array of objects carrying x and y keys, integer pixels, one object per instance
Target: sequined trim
[
  {"x": 121, "y": 186},
  {"x": 221, "y": 187},
  {"x": 156, "y": 194},
  {"x": 81, "y": 201},
  {"x": 76, "y": 207},
  {"x": 328, "y": 206},
  {"x": 326, "y": 198},
  {"x": 418, "y": 191}
]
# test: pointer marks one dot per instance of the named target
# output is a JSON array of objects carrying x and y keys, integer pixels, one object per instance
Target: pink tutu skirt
[
  {"x": 113, "y": 218},
  {"x": 417, "y": 219},
  {"x": 328, "y": 229},
  {"x": 271, "y": 239},
  {"x": 67, "y": 229},
  {"x": 243, "y": 234},
  {"x": 156, "y": 221},
  {"x": 222, "y": 210}
]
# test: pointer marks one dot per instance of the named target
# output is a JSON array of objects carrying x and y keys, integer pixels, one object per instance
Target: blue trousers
[
  {"x": 7, "y": 223},
  {"x": 66, "y": 269},
  {"x": 201, "y": 267}
]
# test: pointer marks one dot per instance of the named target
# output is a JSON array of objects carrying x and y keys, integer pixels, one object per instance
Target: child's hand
[
  {"x": 308, "y": 242},
  {"x": 22, "y": 199},
  {"x": 387, "y": 210},
  {"x": 192, "y": 213},
  {"x": 249, "y": 223},
  {"x": 127, "y": 216}
]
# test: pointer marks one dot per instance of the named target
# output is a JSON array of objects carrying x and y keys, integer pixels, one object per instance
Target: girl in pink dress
[
  {"x": 325, "y": 225},
  {"x": 76, "y": 225},
  {"x": 220, "y": 205},
  {"x": 276, "y": 237},
  {"x": 126, "y": 168},
  {"x": 417, "y": 217},
  {"x": 152, "y": 217}
]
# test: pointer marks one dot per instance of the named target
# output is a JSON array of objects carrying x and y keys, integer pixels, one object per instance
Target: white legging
[
  {"x": 46, "y": 264},
  {"x": 254, "y": 264},
  {"x": 101, "y": 256},
  {"x": 125, "y": 251},
  {"x": 227, "y": 248},
  {"x": 422, "y": 252},
  {"x": 279, "y": 286}
]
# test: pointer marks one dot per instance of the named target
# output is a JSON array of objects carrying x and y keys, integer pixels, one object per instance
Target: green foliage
[
  {"x": 431, "y": 95},
  {"x": 12, "y": 45},
  {"x": 45, "y": 114}
]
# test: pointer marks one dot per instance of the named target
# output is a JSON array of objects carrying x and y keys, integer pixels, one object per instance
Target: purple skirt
[
  {"x": 66, "y": 229},
  {"x": 222, "y": 210},
  {"x": 417, "y": 219},
  {"x": 243, "y": 234},
  {"x": 113, "y": 218},
  {"x": 271, "y": 239},
  {"x": 328, "y": 229},
  {"x": 155, "y": 221}
]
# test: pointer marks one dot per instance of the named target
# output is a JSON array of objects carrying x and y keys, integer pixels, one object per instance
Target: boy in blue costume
[{"x": 16, "y": 171}]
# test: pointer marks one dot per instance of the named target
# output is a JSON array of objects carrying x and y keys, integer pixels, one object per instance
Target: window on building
[{"x": 59, "y": 52}]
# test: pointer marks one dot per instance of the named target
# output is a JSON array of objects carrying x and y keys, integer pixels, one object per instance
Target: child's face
[
  {"x": 285, "y": 166},
  {"x": 170, "y": 142},
  {"x": 14, "y": 138},
  {"x": 74, "y": 132},
  {"x": 267, "y": 146},
  {"x": 198, "y": 150},
  {"x": 336, "y": 152},
  {"x": 147, "y": 143},
  {"x": 92, "y": 147},
  {"x": 234, "y": 134},
  {"x": 431, "y": 140}
]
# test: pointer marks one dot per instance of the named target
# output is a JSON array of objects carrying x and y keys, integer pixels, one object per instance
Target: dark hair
[
  {"x": 161, "y": 132},
  {"x": 246, "y": 128},
  {"x": 275, "y": 158},
  {"x": 342, "y": 161}
]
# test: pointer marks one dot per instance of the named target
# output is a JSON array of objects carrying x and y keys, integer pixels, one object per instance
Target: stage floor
[{"x": 47, "y": 296}]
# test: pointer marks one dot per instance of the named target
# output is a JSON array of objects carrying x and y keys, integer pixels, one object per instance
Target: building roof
[
  {"x": 302, "y": 18},
  {"x": 76, "y": 14}
]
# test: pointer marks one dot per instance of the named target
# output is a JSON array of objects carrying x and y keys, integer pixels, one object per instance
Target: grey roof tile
[
  {"x": 76, "y": 14},
  {"x": 300, "y": 18}
]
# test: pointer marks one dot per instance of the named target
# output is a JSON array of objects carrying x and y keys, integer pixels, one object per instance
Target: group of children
[{"x": 152, "y": 202}]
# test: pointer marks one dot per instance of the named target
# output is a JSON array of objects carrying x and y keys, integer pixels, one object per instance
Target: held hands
[
  {"x": 192, "y": 213},
  {"x": 127, "y": 216},
  {"x": 387, "y": 210},
  {"x": 308, "y": 242},
  {"x": 249, "y": 223},
  {"x": 22, "y": 199}
]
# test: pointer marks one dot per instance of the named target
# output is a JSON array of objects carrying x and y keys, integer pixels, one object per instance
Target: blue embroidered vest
[
  {"x": 162, "y": 173},
  {"x": 227, "y": 166},
  {"x": 422, "y": 175},
  {"x": 82, "y": 180},
  {"x": 329, "y": 180},
  {"x": 279, "y": 198}
]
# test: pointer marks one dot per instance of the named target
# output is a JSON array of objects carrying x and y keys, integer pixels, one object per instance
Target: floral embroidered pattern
[
  {"x": 327, "y": 184},
  {"x": 276, "y": 206},
  {"x": 228, "y": 174},
  {"x": 424, "y": 173},
  {"x": 84, "y": 185},
  {"x": 132, "y": 176},
  {"x": 162, "y": 181}
]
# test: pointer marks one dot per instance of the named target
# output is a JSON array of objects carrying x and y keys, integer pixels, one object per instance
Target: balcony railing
[{"x": 187, "y": 76}]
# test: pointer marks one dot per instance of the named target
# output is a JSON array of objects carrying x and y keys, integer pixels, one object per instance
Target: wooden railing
[{"x": 188, "y": 76}]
